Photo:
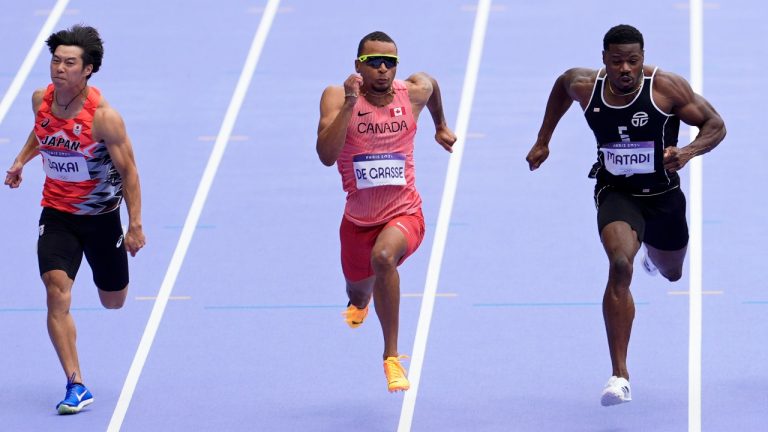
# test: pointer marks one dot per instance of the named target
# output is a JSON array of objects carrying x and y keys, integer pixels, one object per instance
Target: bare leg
[
  {"x": 61, "y": 326},
  {"x": 621, "y": 246},
  {"x": 113, "y": 299},
  {"x": 669, "y": 263},
  {"x": 360, "y": 292},
  {"x": 390, "y": 246}
]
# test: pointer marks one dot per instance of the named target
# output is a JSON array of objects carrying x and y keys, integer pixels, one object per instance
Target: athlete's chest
[{"x": 71, "y": 135}]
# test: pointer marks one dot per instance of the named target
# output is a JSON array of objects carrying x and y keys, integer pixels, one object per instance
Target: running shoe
[
  {"x": 616, "y": 391},
  {"x": 354, "y": 316},
  {"x": 648, "y": 265},
  {"x": 76, "y": 399},
  {"x": 396, "y": 379}
]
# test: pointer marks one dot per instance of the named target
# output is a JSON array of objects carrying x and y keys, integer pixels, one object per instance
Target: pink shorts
[{"x": 357, "y": 243}]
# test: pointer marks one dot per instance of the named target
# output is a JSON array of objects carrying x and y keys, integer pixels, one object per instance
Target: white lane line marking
[
  {"x": 145, "y": 298},
  {"x": 696, "y": 217},
  {"x": 688, "y": 292},
  {"x": 444, "y": 216},
  {"x": 231, "y": 138},
  {"x": 31, "y": 58},
  {"x": 192, "y": 217},
  {"x": 41, "y": 12},
  {"x": 422, "y": 295}
]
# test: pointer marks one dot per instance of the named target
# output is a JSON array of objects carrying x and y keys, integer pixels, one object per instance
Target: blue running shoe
[{"x": 76, "y": 399}]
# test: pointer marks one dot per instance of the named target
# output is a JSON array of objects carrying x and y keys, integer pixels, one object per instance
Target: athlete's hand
[
  {"x": 13, "y": 175},
  {"x": 445, "y": 137},
  {"x": 352, "y": 85},
  {"x": 538, "y": 154},
  {"x": 134, "y": 240},
  {"x": 675, "y": 159}
]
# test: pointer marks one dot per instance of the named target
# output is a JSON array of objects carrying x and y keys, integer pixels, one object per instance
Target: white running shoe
[
  {"x": 616, "y": 391},
  {"x": 648, "y": 265}
]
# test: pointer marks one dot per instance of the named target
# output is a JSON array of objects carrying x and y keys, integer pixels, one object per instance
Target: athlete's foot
[
  {"x": 354, "y": 316},
  {"x": 77, "y": 398},
  {"x": 648, "y": 265},
  {"x": 396, "y": 379},
  {"x": 616, "y": 391}
]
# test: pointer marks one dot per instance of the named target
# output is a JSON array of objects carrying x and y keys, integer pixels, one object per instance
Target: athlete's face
[
  {"x": 624, "y": 65},
  {"x": 377, "y": 78},
  {"x": 67, "y": 67}
]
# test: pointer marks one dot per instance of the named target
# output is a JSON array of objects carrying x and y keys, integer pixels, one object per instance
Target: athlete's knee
[
  {"x": 673, "y": 275},
  {"x": 383, "y": 259},
  {"x": 113, "y": 299},
  {"x": 620, "y": 270},
  {"x": 113, "y": 303},
  {"x": 58, "y": 288}
]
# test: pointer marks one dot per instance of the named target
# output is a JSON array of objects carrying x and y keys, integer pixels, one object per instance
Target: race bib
[
  {"x": 385, "y": 169},
  {"x": 628, "y": 158},
  {"x": 65, "y": 166}
]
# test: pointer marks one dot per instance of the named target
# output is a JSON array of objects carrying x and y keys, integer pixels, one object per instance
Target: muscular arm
[
  {"x": 573, "y": 85},
  {"x": 28, "y": 151},
  {"x": 336, "y": 106},
  {"x": 694, "y": 110},
  {"x": 109, "y": 127},
  {"x": 423, "y": 90}
]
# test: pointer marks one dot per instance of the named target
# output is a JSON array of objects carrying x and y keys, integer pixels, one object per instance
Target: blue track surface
[{"x": 252, "y": 338}]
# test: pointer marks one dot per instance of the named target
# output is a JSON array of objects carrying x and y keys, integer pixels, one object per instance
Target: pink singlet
[{"x": 376, "y": 163}]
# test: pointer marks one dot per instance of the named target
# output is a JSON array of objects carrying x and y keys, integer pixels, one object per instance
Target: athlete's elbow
[
  {"x": 326, "y": 155},
  {"x": 327, "y": 160}
]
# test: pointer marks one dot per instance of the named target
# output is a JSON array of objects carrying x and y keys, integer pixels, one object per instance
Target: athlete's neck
[
  {"x": 379, "y": 98},
  {"x": 69, "y": 100},
  {"x": 629, "y": 93}
]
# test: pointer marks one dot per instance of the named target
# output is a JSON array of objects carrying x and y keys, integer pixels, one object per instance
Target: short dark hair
[
  {"x": 622, "y": 34},
  {"x": 85, "y": 37},
  {"x": 378, "y": 36}
]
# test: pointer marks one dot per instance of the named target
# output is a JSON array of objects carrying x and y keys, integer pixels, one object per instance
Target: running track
[{"x": 251, "y": 337}]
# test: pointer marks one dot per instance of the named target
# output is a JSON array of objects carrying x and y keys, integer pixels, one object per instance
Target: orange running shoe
[
  {"x": 355, "y": 316},
  {"x": 396, "y": 379}
]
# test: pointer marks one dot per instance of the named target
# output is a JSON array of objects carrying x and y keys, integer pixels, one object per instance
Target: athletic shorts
[
  {"x": 65, "y": 237},
  {"x": 659, "y": 220},
  {"x": 357, "y": 243}
]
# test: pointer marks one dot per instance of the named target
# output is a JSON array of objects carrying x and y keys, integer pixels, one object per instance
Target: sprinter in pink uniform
[{"x": 367, "y": 128}]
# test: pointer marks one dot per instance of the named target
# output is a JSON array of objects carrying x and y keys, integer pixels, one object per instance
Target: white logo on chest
[{"x": 639, "y": 119}]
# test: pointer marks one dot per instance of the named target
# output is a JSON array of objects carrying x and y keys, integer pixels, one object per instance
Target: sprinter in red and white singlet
[
  {"x": 367, "y": 128},
  {"x": 89, "y": 167}
]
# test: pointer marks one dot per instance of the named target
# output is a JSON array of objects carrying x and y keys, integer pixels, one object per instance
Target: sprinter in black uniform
[{"x": 634, "y": 111}]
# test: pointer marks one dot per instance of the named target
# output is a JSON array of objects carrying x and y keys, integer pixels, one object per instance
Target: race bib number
[
  {"x": 385, "y": 169},
  {"x": 65, "y": 166},
  {"x": 628, "y": 158}
]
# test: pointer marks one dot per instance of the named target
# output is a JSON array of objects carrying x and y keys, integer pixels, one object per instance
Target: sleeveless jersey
[
  {"x": 80, "y": 176},
  {"x": 376, "y": 163},
  {"x": 631, "y": 141}
]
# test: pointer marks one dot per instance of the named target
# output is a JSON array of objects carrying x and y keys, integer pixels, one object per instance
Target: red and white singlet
[{"x": 80, "y": 176}]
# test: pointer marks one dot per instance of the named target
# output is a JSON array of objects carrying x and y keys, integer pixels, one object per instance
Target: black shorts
[
  {"x": 659, "y": 220},
  {"x": 65, "y": 237}
]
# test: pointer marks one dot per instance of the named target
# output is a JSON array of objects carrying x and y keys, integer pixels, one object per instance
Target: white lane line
[
  {"x": 688, "y": 293},
  {"x": 696, "y": 216},
  {"x": 193, "y": 216},
  {"x": 146, "y": 298},
  {"x": 31, "y": 58},
  {"x": 444, "y": 216},
  {"x": 231, "y": 138}
]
